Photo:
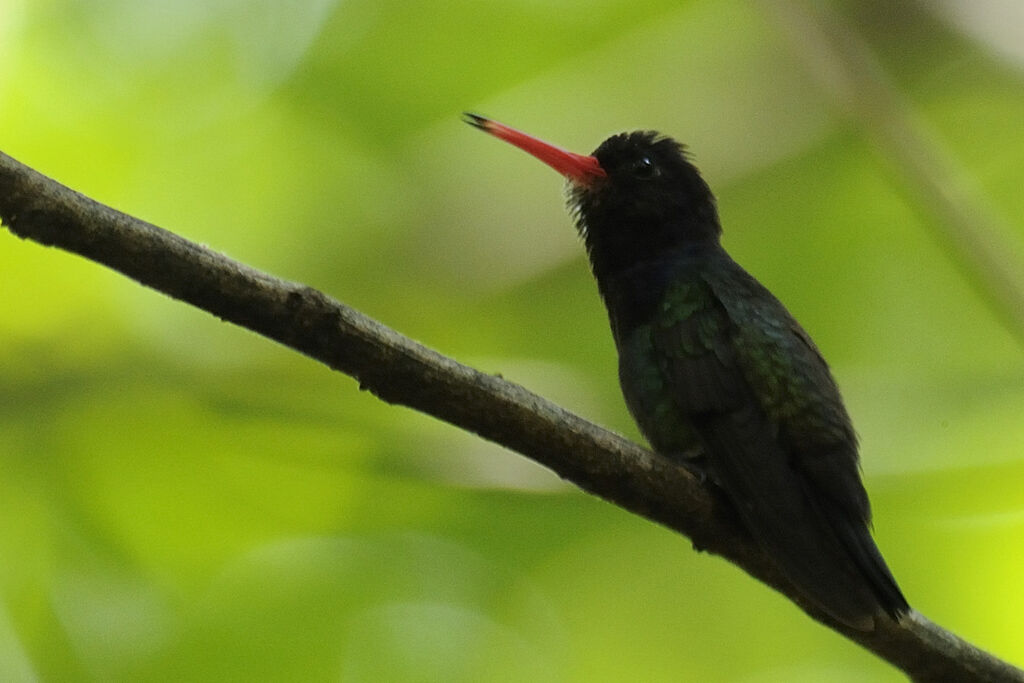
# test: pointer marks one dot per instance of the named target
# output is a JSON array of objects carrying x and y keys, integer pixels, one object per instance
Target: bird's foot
[{"x": 694, "y": 463}]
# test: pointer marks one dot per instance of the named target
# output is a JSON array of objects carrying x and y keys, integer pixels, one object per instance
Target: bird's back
[{"x": 719, "y": 369}]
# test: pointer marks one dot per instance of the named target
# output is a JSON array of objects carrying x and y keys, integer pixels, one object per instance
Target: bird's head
[{"x": 637, "y": 198}]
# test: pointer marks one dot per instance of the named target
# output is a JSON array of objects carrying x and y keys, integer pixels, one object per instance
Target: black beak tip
[{"x": 476, "y": 120}]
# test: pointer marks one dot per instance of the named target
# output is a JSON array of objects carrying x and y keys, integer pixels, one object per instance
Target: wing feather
[{"x": 788, "y": 464}]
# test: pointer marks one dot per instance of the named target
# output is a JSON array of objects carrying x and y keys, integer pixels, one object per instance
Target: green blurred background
[{"x": 184, "y": 500}]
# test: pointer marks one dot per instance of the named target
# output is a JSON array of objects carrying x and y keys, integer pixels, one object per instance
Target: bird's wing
[
  {"x": 792, "y": 383},
  {"x": 731, "y": 374}
]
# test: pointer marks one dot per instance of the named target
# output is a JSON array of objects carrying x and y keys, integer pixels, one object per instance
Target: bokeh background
[{"x": 184, "y": 500}]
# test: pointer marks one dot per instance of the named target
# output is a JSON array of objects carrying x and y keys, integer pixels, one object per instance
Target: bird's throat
[{"x": 634, "y": 294}]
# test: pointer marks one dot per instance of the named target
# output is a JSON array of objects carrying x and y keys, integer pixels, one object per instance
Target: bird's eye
[{"x": 644, "y": 168}]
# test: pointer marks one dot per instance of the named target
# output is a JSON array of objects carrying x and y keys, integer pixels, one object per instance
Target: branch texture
[{"x": 400, "y": 371}]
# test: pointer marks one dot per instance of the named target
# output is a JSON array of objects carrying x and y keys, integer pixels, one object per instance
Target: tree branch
[{"x": 398, "y": 370}]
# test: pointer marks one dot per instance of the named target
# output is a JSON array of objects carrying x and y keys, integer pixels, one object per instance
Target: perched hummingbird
[{"x": 717, "y": 373}]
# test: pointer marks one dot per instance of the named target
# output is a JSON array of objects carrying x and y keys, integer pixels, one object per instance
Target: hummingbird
[{"x": 717, "y": 374}]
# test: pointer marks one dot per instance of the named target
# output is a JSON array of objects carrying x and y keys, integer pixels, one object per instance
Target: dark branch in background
[
  {"x": 972, "y": 232},
  {"x": 398, "y": 370}
]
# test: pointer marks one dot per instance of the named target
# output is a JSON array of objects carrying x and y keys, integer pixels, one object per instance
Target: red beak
[{"x": 580, "y": 169}]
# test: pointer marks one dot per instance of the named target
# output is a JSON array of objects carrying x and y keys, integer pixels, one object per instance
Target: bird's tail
[
  {"x": 822, "y": 544},
  {"x": 856, "y": 539}
]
